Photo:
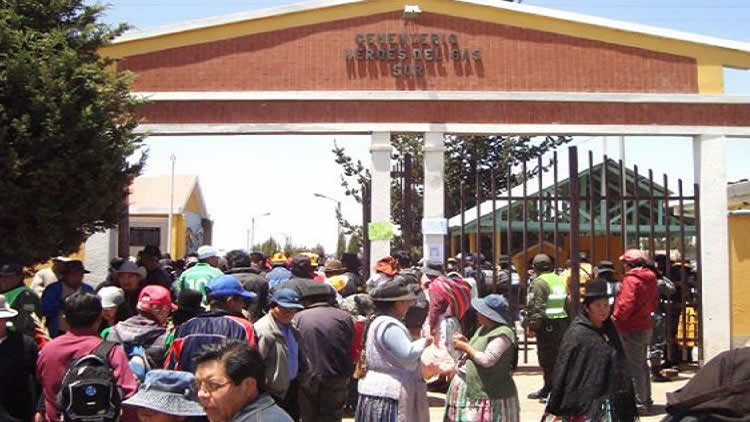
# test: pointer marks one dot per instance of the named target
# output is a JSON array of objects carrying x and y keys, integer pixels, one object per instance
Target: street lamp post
[
  {"x": 338, "y": 212},
  {"x": 172, "y": 158},
  {"x": 251, "y": 235}
]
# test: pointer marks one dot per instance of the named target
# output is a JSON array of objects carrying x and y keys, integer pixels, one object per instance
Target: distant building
[{"x": 149, "y": 222}]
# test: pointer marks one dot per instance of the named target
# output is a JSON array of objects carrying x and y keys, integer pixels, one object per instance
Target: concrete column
[
  {"x": 709, "y": 158},
  {"x": 380, "y": 196},
  {"x": 434, "y": 206}
]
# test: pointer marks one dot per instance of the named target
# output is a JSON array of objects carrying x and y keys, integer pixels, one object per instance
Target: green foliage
[
  {"x": 268, "y": 248},
  {"x": 271, "y": 246},
  {"x": 340, "y": 244},
  {"x": 465, "y": 158},
  {"x": 355, "y": 242},
  {"x": 66, "y": 129}
]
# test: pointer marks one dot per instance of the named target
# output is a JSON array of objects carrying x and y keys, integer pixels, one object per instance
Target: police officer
[
  {"x": 19, "y": 297},
  {"x": 547, "y": 319}
]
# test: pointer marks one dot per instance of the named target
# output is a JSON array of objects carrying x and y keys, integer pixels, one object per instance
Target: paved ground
[{"x": 528, "y": 378}]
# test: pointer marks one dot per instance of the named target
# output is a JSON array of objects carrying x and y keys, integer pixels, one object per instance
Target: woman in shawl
[
  {"x": 483, "y": 389},
  {"x": 392, "y": 388},
  {"x": 449, "y": 298},
  {"x": 590, "y": 383}
]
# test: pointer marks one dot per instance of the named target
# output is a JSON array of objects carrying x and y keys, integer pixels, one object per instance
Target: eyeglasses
[{"x": 208, "y": 386}]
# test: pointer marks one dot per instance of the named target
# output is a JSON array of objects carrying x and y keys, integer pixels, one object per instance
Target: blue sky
[{"x": 250, "y": 175}]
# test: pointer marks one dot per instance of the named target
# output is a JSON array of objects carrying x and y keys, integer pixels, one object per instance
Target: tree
[
  {"x": 341, "y": 244},
  {"x": 66, "y": 129},
  {"x": 355, "y": 242},
  {"x": 465, "y": 158}
]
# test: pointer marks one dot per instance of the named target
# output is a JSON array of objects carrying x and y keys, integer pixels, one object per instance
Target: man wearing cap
[
  {"x": 605, "y": 270},
  {"x": 18, "y": 354},
  {"x": 278, "y": 343},
  {"x": 338, "y": 278},
  {"x": 49, "y": 275},
  {"x": 326, "y": 335},
  {"x": 21, "y": 298},
  {"x": 130, "y": 278},
  {"x": 114, "y": 308},
  {"x": 55, "y": 294},
  {"x": 83, "y": 313},
  {"x": 148, "y": 329},
  {"x": 201, "y": 273},
  {"x": 279, "y": 272},
  {"x": 226, "y": 299},
  {"x": 150, "y": 258},
  {"x": 638, "y": 299},
  {"x": 585, "y": 272},
  {"x": 547, "y": 319},
  {"x": 241, "y": 266}
]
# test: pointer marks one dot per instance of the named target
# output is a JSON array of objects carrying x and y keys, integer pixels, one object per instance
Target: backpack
[
  {"x": 137, "y": 359},
  {"x": 88, "y": 392}
]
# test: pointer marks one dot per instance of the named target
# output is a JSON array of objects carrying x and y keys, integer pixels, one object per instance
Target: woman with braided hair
[{"x": 391, "y": 388}]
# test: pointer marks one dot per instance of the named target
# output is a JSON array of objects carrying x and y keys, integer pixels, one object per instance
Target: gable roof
[
  {"x": 707, "y": 50},
  {"x": 150, "y": 195},
  {"x": 486, "y": 207}
]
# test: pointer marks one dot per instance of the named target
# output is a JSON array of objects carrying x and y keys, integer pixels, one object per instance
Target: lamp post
[
  {"x": 251, "y": 234},
  {"x": 338, "y": 213},
  {"x": 172, "y": 158}
]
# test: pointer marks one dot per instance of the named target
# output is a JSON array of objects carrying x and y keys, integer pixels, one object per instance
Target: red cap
[
  {"x": 155, "y": 295},
  {"x": 633, "y": 255}
]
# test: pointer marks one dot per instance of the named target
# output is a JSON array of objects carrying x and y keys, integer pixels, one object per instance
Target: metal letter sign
[{"x": 408, "y": 53}]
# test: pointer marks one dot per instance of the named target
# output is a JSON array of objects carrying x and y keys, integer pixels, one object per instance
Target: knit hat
[{"x": 111, "y": 296}]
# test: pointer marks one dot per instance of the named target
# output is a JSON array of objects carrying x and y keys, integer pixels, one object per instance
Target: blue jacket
[
  {"x": 52, "y": 305},
  {"x": 263, "y": 408},
  {"x": 206, "y": 328}
]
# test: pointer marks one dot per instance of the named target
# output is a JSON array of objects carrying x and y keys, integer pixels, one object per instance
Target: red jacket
[{"x": 638, "y": 298}]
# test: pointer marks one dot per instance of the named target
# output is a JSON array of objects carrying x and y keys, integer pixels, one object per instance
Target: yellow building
[
  {"x": 739, "y": 257},
  {"x": 149, "y": 222}
]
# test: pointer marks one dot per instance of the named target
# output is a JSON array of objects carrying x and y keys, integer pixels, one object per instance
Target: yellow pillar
[
  {"x": 498, "y": 245},
  {"x": 739, "y": 249},
  {"x": 473, "y": 242}
]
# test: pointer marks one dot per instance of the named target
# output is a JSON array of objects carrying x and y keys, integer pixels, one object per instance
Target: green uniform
[
  {"x": 26, "y": 302},
  {"x": 196, "y": 278},
  {"x": 547, "y": 319}
]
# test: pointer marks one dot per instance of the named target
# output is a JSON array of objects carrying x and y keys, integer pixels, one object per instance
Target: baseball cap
[
  {"x": 287, "y": 298},
  {"x": 207, "y": 251},
  {"x": 111, "y": 296},
  {"x": 225, "y": 286},
  {"x": 155, "y": 295}
]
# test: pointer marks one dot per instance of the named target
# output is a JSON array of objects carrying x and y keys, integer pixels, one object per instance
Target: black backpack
[{"x": 88, "y": 392}]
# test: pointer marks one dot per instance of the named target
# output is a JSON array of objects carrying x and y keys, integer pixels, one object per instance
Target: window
[{"x": 142, "y": 236}]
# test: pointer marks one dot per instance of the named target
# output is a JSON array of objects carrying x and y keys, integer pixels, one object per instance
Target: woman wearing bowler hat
[
  {"x": 590, "y": 381},
  {"x": 391, "y": 388},
  {"x": 483, "y": 389}
]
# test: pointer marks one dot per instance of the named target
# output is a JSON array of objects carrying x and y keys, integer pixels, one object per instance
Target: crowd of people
[{"x": 245, "y": 337}]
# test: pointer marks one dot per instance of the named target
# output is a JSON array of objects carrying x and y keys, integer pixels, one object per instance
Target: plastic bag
[{"x": 436, "y": 361}]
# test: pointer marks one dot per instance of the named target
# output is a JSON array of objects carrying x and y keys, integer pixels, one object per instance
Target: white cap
[
  {"x": 5, "y": 310},
  {"x": 111, "y": 296},
  {"x": 206, "y": 251}
]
